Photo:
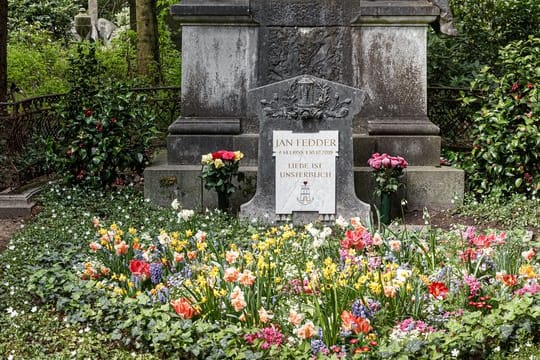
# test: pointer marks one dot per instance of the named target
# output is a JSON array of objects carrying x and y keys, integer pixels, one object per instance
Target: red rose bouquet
[{"x": 219, "y": 170}]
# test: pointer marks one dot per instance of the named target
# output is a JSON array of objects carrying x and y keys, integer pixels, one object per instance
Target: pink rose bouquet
[{"x": 387, "y": 171}]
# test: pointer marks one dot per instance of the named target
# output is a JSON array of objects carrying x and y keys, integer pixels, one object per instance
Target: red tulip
[
  {"x": 438, "y": 290},
  {"x": 139, "y": 268}
]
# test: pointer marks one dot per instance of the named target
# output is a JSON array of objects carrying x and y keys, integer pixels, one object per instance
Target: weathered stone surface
[
  {"x": 93, "y": 12},
  {"x": 164, "y": 182},
  {"x": 319, "y": 51},
  {"x": 13, "y": 205},
  {"x": 390, "y": 64},
  {"x": 202, "y": 125},
  {"x": 188, "y": 149},
  {"x": 305, "y": 104},
  {"x": 419, "y": 150},
  {"x": 218, "y": 67},
  {"x": 434, "y": 188},
  {"x": 438, "y": 187},
  {"x": 212, "y": 11},
  {"x": 305, "y": 13},
  {"x": 298, "y": 38},
  {"x": 396, "y": 8},
  {"x": 429, "y": 187}
]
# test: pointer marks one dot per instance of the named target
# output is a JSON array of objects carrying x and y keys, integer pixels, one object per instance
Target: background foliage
[
  {"x": 505, "y": 158},
  {"x": 485, "y": 26},
  {"x": 105, "y": 129},
  {"x": 37, "y": 64},
  {"x": 497, "y": 46},
  {"x": 53, "y": 16},
  {"x": 41, "y": 41}
]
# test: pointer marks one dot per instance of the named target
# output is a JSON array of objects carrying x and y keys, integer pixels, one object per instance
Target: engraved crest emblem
[
  {"x": 307, "y": 99},
  {"x": 305, "y": 197}
]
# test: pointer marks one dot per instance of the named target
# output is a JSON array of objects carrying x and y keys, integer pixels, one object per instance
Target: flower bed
[
  {"x": 341, "y": 291},
  {"x": 335, "y": 290}
]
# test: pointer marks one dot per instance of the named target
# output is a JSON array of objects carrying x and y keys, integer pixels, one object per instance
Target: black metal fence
[
  {"x": 21, "y": 119},
  {"x": 451, "y": 115},
  {"x": 23, "y": 123}
]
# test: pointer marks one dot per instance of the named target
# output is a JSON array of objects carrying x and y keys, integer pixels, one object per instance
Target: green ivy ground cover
[{"x": 104, "y": 275}]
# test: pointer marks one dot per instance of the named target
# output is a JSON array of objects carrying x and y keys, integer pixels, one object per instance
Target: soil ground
[{"x": 443, "y": 220}]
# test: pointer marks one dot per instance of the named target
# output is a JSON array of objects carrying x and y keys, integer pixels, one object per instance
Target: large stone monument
[{"x": 230, "y": 47}]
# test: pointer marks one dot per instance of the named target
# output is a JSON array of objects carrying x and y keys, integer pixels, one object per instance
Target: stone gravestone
[{"x": 305, "y": 157}]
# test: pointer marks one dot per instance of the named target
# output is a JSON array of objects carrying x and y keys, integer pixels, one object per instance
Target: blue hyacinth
[
  {"x": 163, "y": 295},
  {"x": 175, "y": 280}
]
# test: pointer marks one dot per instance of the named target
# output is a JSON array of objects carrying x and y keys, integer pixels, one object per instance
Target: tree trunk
[
  {"x": 147, "y": 40},
  {"x": 93, "y": 12},
  {"x": 3, "y": 51}
]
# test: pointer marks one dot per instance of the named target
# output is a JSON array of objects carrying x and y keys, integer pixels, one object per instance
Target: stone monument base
[
  {"x": 164, "y": 182},
  {"x": 434, "y": 188}
]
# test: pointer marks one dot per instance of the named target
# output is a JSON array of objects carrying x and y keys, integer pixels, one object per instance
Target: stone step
[{"x": 17, "y": 205}]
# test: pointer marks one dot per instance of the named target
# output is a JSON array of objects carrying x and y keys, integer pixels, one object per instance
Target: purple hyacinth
[
  {"x": 156, "y": 270},
  {"x": 318, "y": 346},
  {"x": 361, "y": 310}
]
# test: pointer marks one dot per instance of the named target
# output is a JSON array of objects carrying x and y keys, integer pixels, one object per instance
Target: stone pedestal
[
  {"x": 233, "y": 46},
  {"x": 435, "y": 188},
  {"x": 219, "y": 58}
]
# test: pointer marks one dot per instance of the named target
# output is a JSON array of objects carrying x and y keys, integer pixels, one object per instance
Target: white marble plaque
[{"x": 305, "y": 171}]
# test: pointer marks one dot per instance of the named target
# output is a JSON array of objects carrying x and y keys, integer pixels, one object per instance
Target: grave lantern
[{"x": 83, "y": 24}]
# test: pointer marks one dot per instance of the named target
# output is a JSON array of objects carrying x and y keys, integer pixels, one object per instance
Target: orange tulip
[{"x": 184, "y": 308}]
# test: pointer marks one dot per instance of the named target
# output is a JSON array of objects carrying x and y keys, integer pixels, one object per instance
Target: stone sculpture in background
[
  {"x": 106, "y": 30},
  {"x": 98, "y": 28},
  {"x": 445, "y": 24}
]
